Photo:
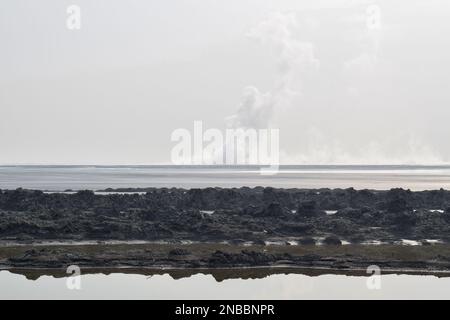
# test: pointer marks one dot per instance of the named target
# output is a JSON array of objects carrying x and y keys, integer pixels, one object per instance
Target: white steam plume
[{"x": 279, "y": 33}]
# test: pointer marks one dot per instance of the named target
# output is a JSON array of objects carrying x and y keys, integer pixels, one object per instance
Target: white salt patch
[
  {"x": 410, "y": 242},
  {"x": 275, "y": 243},
  {"x": 319, "y": 240},
  {"x": 434, "y": 241},
  {"x": 373, "y": 242}
]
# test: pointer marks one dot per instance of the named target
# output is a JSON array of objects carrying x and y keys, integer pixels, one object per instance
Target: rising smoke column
[{"x": 279, "y": 34}]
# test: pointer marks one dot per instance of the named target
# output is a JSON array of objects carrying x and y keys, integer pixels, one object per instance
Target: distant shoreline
[
  {"x": 374, "y": 177},
  {"x": 254, "y": 166}
]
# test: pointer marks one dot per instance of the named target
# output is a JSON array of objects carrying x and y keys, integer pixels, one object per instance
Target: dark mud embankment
[
  {"x": 230, "y": 228},
  {"x": 257, "y": 215},
  {"x": 226, "y": 261}
]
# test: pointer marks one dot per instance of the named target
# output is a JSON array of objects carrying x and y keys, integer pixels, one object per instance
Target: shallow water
[
  {"x": 58, "y": 178},
  {"x": 200, "y": 286}
]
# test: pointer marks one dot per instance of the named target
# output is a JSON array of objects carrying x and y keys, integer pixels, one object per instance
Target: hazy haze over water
[{"x": 60, "y": 178}]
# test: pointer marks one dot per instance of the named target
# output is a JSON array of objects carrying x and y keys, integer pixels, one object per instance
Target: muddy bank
[
  {"x": 242, "y": 215},
  {"x": 223, "y": 259}
]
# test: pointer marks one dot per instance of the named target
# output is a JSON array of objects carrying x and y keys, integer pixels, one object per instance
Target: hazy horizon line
[{"x": 443, "y": 165}]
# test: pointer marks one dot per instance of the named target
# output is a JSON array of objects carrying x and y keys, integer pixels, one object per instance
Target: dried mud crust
[{"x": 256, "y": 215}]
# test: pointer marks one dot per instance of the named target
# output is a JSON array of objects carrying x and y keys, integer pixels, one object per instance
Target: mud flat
[
  {"x": 257, "y": 215},
  {"x": 213, "y": 228}
]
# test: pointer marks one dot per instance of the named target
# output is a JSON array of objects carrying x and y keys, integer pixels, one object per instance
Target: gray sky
[{"x": 114, "y": 91}]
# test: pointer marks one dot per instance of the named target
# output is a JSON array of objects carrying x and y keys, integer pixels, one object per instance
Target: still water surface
[
  {"x": 200, "y": 286},
  {"x": 59, "y": 178}
]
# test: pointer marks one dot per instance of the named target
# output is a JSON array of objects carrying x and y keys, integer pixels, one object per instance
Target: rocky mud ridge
[
  {"x": 154, "y": 258},
  {"x": 256, "y": 215}
]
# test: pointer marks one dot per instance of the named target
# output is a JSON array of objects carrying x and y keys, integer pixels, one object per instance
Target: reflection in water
[
  {"x": 253, "y": 284},
  {"x": 220, "y": 274}
]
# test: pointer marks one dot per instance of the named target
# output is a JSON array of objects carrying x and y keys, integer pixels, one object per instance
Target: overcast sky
[{"x": 345, "y": 86}]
